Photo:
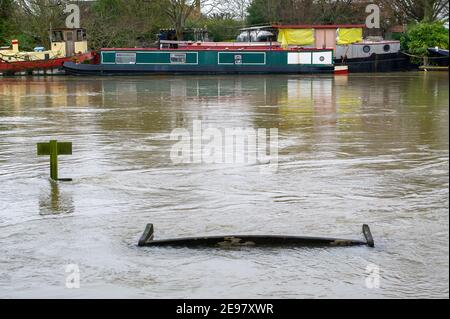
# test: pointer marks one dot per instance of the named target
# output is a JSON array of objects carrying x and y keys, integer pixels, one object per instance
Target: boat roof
[
  {"x": 220, "y": 48},
  {"x": 256, "y": 28},
  {"x": 366, "y": 42},
  {"x": 439, "y": 51},
  {"x": 317, "y": 26},
  {"x": 66, "y": 29}
]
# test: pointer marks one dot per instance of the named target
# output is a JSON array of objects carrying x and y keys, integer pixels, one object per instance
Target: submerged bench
[{"x": 253, "y": 240}]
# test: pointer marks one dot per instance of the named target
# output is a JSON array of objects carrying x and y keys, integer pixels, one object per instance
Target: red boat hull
[{"x": 24, "y": 66}]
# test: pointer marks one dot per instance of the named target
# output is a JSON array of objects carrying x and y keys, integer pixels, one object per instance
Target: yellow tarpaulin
[
  {"x": 349, "y": 35},
  {"x": 295, "y": 36}
]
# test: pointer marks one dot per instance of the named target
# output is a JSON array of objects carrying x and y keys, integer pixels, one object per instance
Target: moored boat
[
  {"x": 66, "y": 45},
  {"x": 207, "y": 59},
  {"x": 351, "y": 48}
]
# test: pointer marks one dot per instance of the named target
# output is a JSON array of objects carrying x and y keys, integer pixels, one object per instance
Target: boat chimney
[{"x": 15, "y": 45}]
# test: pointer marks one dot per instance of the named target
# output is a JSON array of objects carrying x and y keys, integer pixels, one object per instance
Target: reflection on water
[
  {"x": 55, "y": 202},
  {"x": 358, "y": 149}
]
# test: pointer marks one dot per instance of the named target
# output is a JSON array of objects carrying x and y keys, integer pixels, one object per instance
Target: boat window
[
  {"x": 178, "y": 58},
  {"x": 366, "y": 49},
  {"x": 57, "y": 36},
  {"x": 81, "y": 35},
  {"x": 126, "y": 58},
  {"x": 387, "y": 48},
  {"x": 238, "y": 59}
]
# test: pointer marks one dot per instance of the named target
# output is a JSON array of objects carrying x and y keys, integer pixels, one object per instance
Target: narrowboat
[
  {"x": 206, "y": 58},
  {"x": 438, "y": 60}
]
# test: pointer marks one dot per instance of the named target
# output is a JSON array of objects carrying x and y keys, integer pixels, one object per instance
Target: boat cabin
[
  {"x": 319, "y": 36},
  {"x": 68, "y": 41},
  {"x": 345, "y": 39},
  {"x": 64, "y": 43}
]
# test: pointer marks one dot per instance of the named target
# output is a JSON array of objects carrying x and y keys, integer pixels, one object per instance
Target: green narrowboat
[{"x": 197, "y": 59}]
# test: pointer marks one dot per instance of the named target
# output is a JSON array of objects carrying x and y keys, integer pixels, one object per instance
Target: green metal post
[
  {"x": 53, "y": 148},
  {"x": 54, "y": 160}
]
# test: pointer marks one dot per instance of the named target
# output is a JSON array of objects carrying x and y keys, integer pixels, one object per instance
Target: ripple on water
[{"x": 364, "y": 149}]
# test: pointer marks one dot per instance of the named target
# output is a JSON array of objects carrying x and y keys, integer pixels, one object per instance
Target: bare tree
[
  {"x": 417, "y": 10},
  {"x": 339, "y": 11},
  {"x": 122, "y": 22},
  {"x": 40, "y": 16},
  {"x": 236, "y": 9},
  {"x": 179, "y": 11},
  {"x": 307, "y": 11}
]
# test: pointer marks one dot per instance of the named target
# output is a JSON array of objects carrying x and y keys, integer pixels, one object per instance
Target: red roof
[
  {"x": 318, "y": 26},
  {"x": 217, "y": 48}
]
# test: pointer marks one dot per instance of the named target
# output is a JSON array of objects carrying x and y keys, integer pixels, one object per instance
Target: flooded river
[{"x": 359, "y": 149}]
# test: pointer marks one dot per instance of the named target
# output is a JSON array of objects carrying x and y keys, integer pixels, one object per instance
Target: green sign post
[{"x": 54, "y": 148}]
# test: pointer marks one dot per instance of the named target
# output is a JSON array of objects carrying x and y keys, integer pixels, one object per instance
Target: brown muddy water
[{"x": 359, "y": 149}]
